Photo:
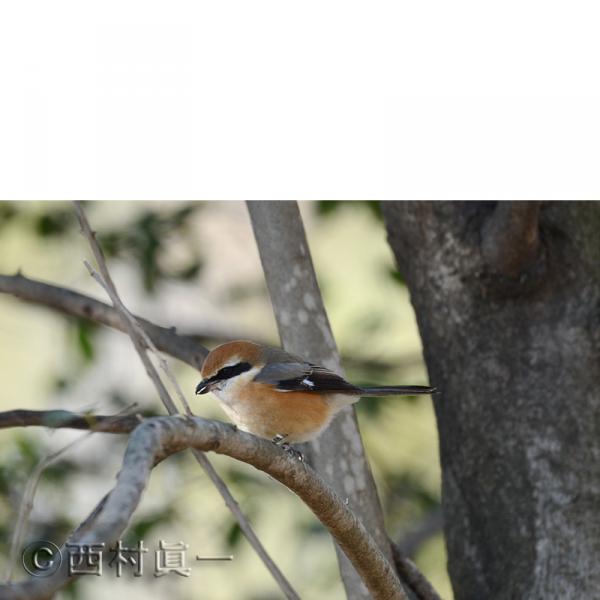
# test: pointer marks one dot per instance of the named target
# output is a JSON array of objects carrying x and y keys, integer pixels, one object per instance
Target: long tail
[{"x": 397, "y": 390}]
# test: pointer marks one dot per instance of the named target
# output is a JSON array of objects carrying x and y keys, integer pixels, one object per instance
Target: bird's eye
[{"x": 232, "y": 370}]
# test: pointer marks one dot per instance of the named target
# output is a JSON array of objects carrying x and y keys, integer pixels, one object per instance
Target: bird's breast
[{"x": 261, "y": 409}]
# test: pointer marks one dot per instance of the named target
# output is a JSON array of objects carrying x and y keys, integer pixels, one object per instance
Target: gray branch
[
  {"x": 67, "y": 301},
  {"x": 304, "y": 329},
  {"x": 59, "y": 419},
  {"x": 159, "y": 437},
  {"x": 410, "y": 574}
]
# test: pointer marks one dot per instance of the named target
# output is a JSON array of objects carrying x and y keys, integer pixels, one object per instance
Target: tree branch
[
  {"x": 126, "y": 424},
  {"x": 26, "y": 505},
  {"x": 67, "y": 301},
  {"x": 141, "y": 342},
  {"x": 510, "y": 238},
  {"x": 159, "y": 437},
  {"x": 188, "y": 348},
  {"x": 413, "y": 577},
  {"x": 61, "y": 419}
]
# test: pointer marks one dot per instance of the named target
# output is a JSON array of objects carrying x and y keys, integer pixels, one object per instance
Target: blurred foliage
[
  {"x": 19, "y": 462},
  {"x": 233, "y": 535},
  {"x": 53, "y": 223},
  {"x": 145, "y": 241},
  {"x": 7, "y": 211},
  {"x": 47, "y": 220},
  {"x": 370, "y": 407},
  {"x": 406, "y": 488},
  {"x": 142, "y": 526},
  {"x": 328, "y": 208},
  {"x": 396, "y": 276},
  {"x": 85, "y": 331}
]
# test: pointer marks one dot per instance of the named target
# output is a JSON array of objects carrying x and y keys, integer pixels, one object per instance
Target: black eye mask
[
  {"x": 222, "y": 374},
  {"x": 231, "y": 371}
]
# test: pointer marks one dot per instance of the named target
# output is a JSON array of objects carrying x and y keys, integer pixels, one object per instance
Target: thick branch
[
  {"x": 185, "y": 348},
  {"x": 159, "y": 437},
  {"x": 510, "y": 238},
  {"x": 125, "y": 424}
]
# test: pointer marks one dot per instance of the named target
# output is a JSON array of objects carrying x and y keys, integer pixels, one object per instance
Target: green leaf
[
  {"x": 234, "y": 535},
  {"x": 53, "y": 223},
  {"x": 85, "y": 334},
  {"x": 396, "y": 276}
]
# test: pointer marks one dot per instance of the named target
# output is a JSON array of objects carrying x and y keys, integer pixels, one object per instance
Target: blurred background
[{"x": 195, "y": 266}]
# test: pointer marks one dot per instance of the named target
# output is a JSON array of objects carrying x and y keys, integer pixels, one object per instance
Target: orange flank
[{"x": 297, "y": 415}]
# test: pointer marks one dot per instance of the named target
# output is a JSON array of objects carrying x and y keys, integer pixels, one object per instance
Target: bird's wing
[{"x": 303, "y": 377}]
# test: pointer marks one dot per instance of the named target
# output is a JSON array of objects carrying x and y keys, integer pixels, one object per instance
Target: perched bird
[{"x": 279, "y": 396}]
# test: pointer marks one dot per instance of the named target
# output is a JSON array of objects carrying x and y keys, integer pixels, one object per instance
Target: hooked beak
[{"x": 204, "y": 386}]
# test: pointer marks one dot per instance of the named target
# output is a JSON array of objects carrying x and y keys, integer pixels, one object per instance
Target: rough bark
[
  {"x": 512, "y": 341},
  {"x": 304, "y": 330}
]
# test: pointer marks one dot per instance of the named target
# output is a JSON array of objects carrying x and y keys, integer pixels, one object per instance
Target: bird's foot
[
  {"x": 278, "y": 441},
  {"x": 292, "y": 452}
]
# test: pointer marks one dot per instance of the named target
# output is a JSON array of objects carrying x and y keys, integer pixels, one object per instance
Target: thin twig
[
  {"x": 141, "y": 342},
  {"x": 138, "y": 341},
  {"x": 64, "y": 419},
  {"x": 147, "y": 341},
  {"x": 26, "y": 505}
]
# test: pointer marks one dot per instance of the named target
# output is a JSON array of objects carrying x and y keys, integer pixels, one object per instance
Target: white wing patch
[{"x": 308, "y": 382}]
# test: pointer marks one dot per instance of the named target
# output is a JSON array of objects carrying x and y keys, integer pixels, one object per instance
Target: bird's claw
[
  {"x": 279, "y": 438},
  {"x": 293, "y": 452}
]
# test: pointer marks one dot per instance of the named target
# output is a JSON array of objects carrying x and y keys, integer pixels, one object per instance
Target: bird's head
[{"x": 227, "y": 361}]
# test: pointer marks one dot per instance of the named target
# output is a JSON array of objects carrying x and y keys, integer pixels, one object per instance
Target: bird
[{"x": 279, "y": 396}]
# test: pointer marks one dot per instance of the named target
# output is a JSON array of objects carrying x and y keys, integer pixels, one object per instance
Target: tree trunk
[
  {"x": 507, "y": 297},
  {"x": 304, "y": 329}
]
